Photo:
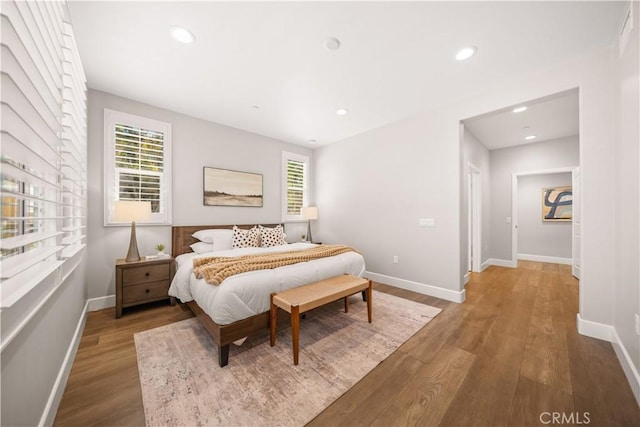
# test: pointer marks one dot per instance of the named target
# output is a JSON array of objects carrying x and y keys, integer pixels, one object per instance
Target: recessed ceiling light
[
  {"x": 466, "y": 53},
  {"x": 519, "y": 109},
  {"x": 332, "y": 43},
  {"x": 530, "y": 137},
  {"x": 342, "y": 111},
  {"x": 312, "y": 141},
  {"x": 182, "y": 34}
]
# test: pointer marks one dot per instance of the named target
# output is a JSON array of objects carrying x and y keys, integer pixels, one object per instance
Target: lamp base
[
  {"x": 133, "y": 254},
  {"x": 309, "y": 238}
]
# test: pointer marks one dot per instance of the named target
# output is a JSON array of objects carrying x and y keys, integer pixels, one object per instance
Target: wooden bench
[{"x": 304, "y": 298}]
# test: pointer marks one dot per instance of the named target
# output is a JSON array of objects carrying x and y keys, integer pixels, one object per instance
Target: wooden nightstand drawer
[
  {"x": 146, "y": 274},
  {"x": 140, "y": 282},
  {"x": 145, "y": 292}
]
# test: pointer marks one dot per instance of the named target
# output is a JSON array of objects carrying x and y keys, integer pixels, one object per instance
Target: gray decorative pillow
[
  {"x": 272, "y": 236},
  {"x": 245, "y": 238}
]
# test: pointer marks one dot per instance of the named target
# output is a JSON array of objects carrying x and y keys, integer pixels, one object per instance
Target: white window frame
[
  {"x": 286, "y": 156},
  {"x": 111, "y": 117}
]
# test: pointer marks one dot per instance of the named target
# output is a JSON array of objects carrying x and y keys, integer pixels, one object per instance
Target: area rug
[{"x": 182, "y": 384}]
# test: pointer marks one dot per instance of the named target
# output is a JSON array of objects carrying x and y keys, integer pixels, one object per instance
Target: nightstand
[{"x": 143, "y": 281}]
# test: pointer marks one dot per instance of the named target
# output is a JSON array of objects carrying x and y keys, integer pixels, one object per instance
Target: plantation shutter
[
  {"x": 43, "y": 139},
  {"x": 295, "y": 186},
  {"x": 139, "y": 161},
  {"x": 74, "y": 148}
]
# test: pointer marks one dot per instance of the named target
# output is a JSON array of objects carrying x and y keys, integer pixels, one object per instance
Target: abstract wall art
[{"x": 557, "y": 204}]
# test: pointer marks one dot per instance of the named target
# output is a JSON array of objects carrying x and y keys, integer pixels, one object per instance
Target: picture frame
[
  {"x": 225, "y": 187},
  {"x": 557, "y": 204}
]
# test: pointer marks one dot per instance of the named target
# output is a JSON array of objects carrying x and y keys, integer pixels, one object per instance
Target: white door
[{"x": 576, "y": 223}]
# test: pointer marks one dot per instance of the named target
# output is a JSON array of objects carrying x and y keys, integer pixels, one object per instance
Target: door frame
[
  {"x": 576, "y": 223},
  {"x": 514, "y": 206},
  {"x": 474, "y": 229}
]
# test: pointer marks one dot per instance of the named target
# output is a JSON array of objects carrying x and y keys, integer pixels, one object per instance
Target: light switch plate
[{"x": 427, "y": 222}]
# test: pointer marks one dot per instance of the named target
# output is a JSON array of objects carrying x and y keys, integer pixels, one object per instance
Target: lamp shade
[
  {"x": 129, "y": 210},
  {"x": 310, "y": 212}
]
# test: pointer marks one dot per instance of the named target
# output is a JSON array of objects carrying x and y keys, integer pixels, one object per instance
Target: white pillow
[
  {"x": 221, "y": 238},
  {"x": 202, "y": 247},
  {"x": 224, "y": 243}
]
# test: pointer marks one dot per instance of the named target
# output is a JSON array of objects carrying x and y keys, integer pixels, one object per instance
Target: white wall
[
  {"x": 474, "y": 152},
  {"x": 627, "y": 201},
  {"x": 535, "y": 236},
  {"x": 34, "y": 362},
  {"x": 196, "y": 143},
  {"x": 373, "y": 187},
  {"x": 505, "y": 162}
]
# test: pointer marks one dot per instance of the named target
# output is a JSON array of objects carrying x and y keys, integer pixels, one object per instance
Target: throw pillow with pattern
[
  {"x": 245, "y": 238},
  {"x": 271, "y": 236}
]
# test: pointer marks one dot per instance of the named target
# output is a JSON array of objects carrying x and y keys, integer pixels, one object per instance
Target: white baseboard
[
  {"x": 485, "y": 265},
  {"x": 543, "y": 258},
  {"x": 466, "y": 278},
  {"x": 594, "y": 329},
  {"x": 50, "y": 410},
  {"x": 99, "y": 303},
  {"x": 500, "y": 263},
  {"x": 434, "y": 291},
  {"x": 627, "y": 365},
  {"x": 608, "y": 333}
]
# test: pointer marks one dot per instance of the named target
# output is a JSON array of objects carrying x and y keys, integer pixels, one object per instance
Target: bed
[{"x": 239, "y": 306}]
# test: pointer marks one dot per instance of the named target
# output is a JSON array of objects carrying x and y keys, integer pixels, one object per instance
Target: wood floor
[{"x": 507, "y": 356}]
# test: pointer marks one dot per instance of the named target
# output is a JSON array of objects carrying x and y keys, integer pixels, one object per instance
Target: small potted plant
[
  {"x": 160, "y": 249},
  {"x": 303, "y": 237}
]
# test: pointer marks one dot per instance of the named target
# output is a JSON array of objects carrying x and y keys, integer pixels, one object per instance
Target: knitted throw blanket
[{"x": 216, "y": 269}]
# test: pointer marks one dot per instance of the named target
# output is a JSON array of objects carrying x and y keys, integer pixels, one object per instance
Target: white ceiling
[
  {"x": 396, "y": 58},
  {"x": 547, "y": 118}
]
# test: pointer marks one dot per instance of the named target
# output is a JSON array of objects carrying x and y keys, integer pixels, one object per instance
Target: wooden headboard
[{"x": 182, "y": 239}]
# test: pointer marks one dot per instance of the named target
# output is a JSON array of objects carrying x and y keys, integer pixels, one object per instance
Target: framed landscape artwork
[
  {"x": 557, "y": 204},
  {"x": 224, "y": 187}
]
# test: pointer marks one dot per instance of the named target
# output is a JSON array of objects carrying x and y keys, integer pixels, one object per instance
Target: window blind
[
  {"x": 43, "y": 138},
  {"x": 295, "y": 185},
  {"x": 139, "y": 161}
]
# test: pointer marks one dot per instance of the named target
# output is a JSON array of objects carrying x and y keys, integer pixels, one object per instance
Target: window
[
  {"x": 137, "y": 164},
  {"x": 295, "y": 185},
  {"x": 43, "y": 163}
]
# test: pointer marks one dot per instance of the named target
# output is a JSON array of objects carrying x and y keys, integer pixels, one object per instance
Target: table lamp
[
  {"x": 128, "y": 210},
  {"x": 309, "y": 213}
]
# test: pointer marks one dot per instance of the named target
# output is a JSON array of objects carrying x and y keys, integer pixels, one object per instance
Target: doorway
[{"x": 574, "y": 260}]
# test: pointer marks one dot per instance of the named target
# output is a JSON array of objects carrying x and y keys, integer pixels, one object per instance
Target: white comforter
[{"x": 247, "y": 294}]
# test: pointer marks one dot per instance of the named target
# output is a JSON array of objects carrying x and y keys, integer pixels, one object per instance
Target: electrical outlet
[
  {"x": 637, "y": 323},
  {"x": 395, "y": 259}
]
